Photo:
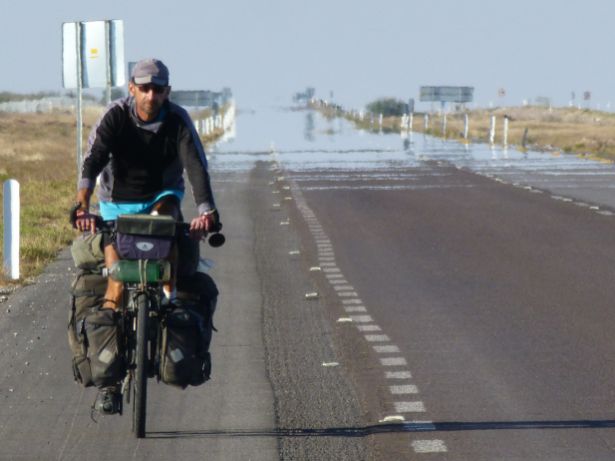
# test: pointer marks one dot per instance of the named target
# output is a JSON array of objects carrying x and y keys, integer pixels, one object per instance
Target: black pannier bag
[
  {"x": 103, "y": 349},
  {"x": 187, "y": 332},
  {"x": 87, "y": 292},
  {"x": 93, "y": 333},
  {"x": 182, "y": 362}
]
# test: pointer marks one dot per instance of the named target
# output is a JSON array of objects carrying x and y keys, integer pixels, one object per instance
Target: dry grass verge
[
  {"x": 571, "y": 130},
  {"x": 38, "y": 150}
]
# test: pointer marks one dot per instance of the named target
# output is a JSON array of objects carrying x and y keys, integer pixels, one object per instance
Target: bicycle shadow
[{"x": 451, "y": 426}]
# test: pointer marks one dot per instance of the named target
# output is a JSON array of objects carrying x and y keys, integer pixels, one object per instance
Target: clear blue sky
[{"x": 359, "y": 49}]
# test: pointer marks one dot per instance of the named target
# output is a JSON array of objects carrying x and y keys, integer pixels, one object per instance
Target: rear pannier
[
  {"x": 103, "y": 351},
  {"x": 87, "y": 291},
  {"x": 93, "y": 333}
]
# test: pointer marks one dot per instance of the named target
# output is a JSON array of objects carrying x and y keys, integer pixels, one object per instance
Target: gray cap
[{"x": 150, "y": 71}]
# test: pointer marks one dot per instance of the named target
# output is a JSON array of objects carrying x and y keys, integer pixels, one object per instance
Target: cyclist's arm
[
  {"x": 192, "y": 155},
  {"x": 100, "y": 146}
]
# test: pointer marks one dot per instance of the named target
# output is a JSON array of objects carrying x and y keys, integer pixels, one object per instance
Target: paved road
[
  {"x": 269, "y": 398},
  {"x": 482, "y": 312},
  {"x": 376, "y": 304},
  {"x": 45, "y": 415}
]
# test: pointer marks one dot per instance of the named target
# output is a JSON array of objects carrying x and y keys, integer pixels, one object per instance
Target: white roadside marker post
[
  {"x": 11, "y": 228},
  {"x": 492, "y": 131},
  {"x": 466, "y": 126}
]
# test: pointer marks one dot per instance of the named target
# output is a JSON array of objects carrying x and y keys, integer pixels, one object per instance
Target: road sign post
[{"x": 93, "y": 57}]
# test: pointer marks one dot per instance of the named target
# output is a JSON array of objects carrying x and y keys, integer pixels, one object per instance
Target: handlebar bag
[
  {"x": 144, "y": 236},
  {"x": 131, "y": 246}
]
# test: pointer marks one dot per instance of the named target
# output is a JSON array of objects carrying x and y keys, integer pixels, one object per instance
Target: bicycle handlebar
[{"x": 216, "y": 238}]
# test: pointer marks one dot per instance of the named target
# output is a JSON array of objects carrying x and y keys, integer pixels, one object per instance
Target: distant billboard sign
[
  {"x": 100, "y": 47},
  {"x": 459, "y": 94},
  {"x": 189, "y": 98}
]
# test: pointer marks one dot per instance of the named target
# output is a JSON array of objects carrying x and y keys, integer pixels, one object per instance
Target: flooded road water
[{"x": 337, "y": 156}]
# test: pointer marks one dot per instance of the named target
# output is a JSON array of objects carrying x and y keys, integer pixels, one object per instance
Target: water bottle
[{"x": 126, "y": 270}]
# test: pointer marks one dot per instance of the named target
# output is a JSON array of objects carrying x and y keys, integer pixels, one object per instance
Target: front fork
[{"x": 129, "y": 327}]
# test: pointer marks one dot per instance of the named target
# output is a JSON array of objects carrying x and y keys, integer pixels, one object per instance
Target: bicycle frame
[{"x": 142, "y": 312}]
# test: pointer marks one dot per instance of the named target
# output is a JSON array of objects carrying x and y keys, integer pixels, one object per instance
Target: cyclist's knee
[{"x": 168, "y": 206}]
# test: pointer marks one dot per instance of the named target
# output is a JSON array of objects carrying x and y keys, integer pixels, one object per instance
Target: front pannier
[{"x": 183, "y": 360}]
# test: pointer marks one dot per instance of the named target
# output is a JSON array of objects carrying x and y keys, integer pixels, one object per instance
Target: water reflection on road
[{"x": 334, "y": 154}]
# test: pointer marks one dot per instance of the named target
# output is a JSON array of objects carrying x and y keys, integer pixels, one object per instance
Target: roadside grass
[
  {"x": 576, "y": 131},
  {"x": 38, "y": 150}
]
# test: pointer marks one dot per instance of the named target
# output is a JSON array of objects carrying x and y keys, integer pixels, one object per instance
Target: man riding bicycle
[{"x": 139, "y": 150}]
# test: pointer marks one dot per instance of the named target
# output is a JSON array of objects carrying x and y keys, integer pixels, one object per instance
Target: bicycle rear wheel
[{"x": 140, "y": 377}]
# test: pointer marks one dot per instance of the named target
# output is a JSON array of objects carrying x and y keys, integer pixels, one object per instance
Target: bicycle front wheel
[{"x": 140, "y": 376}]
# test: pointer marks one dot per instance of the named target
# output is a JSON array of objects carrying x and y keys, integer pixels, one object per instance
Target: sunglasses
[{"x": 150, "y": 87}]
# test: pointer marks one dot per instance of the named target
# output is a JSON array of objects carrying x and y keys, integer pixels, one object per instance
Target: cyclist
[{"x": 139, "y": 150}]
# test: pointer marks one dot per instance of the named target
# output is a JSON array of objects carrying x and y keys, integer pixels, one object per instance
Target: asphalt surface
[
  {"x": 45, "y": 415},
  {"x": 494, "y": 302},
  {"x": 376, "y": 304}
]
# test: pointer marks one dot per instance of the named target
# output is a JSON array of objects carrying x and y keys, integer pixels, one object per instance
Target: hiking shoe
[{"x": 108, "y": 401}]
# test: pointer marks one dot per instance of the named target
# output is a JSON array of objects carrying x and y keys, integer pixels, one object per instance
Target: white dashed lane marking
[
  {"x": 429, "y": 446},
  {"x": 389, "y": 349},
  {"x": 409, "y": 407},
  {"x": 404, "y": 389},
  {"x": 338, "y": 282},
  {"x": 369, "y": 328},
  {"x": 398, "y": 375},
  {"x": 361, "y": 318},
  {"x": 377, "y": 338},
  {"x": 343, "y": 288},
  {"x": 351, "y": 303},
  {"x": 393, "y": 361},
  {"x": 355, "y": 309}
]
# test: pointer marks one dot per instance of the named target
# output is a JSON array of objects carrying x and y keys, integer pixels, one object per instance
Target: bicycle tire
[{"x": 139, "y": 402}]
